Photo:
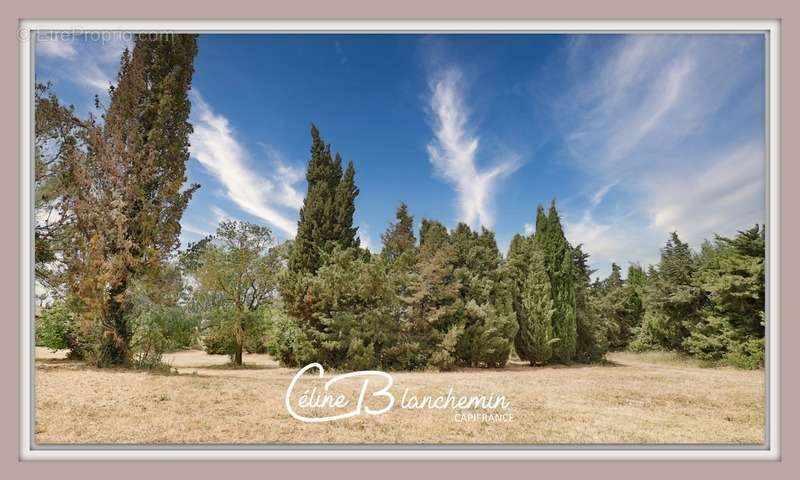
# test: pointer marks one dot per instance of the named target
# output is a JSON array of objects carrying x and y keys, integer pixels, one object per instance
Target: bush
[
  {"x": 444, "y": 358},
  {"x": 748, "y": 354},
  {"x": 157, "y": 330},
  {"x": 219, "y": 336},
  {"x": 54, "y": 327},
  {"x": 286, "y": 342}
]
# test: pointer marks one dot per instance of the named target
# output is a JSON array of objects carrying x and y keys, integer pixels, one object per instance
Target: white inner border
[{"x": 771, "y": 27}]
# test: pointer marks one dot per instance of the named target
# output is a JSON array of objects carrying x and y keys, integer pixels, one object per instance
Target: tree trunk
[
  {"x": 116, "y": 336},
  {"x": 237, "y": 359}
]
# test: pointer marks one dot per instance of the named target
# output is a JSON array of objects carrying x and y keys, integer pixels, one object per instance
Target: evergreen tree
[
  {"x": 487, "y": 314},
  {"x": 434, "y": 299},
  {"x": 127, "y": 193},
  {"x": 345, "y": 234},
  {"x": 673, "y": 301},
  {"x": 534, "y": 337},
  {"x": 326, "y": 218},
  {"x": 560, "y": 265},
  {"x": 399, "y": 240},
  {"x": 59, "y": 139},
  {"x": 732, "y": 275},
  {"x": 591, "y": 327}
]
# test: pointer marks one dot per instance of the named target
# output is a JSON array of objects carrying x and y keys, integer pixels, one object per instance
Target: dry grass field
[{"x": 636, "y": 398}]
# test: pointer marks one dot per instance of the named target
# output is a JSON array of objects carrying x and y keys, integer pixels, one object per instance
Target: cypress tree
[
  {"x": 127, "y": 191},
  {"x": 558, "y": 257},
  {"x": 326, "y": 218},
  {"x": 535, "y": 334},
  {"x": 592, "y": 333},
  {"x": 346, "y": 192}
]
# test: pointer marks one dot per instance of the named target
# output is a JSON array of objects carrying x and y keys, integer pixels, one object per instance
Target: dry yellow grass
[{"x": 636, "y": 399}]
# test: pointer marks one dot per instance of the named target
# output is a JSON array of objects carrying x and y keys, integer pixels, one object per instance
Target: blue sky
[{"x": 633, "y": 135}]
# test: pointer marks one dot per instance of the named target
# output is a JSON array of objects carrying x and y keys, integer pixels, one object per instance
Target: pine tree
[
  {"x": 128, "y": 190},
  {"x": 673, "y": 301},
  {"x": 399, "y": 240},
  {"x": 732, "y": 322}
]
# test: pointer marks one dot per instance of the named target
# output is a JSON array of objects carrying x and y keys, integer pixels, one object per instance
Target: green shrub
[
  {"x": 444, "y": 358},
  {"x": 219, "y": 335},
  {"x": 286, "y": 342},
  {"x": 157, "y": 330},
  {"x": 748, "y": 354},
  {"x": 54, "y": 327}
]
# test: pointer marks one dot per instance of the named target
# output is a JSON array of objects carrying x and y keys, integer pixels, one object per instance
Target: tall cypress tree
[
  {"x": 127, "y": 191},
  {"x": 592, "y": 332},
  {"x": 346, "y": 192},
  {"x": 326, "y": 218},
  {"x": 535, "y": 312},
  {"x": 559, "y": 263}
]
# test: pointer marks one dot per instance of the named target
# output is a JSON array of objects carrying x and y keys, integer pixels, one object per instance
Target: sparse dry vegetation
[{"x": 634, "y": 398}]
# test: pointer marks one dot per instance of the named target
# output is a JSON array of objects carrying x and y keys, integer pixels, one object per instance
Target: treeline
[{"x": 110, "y": 195}]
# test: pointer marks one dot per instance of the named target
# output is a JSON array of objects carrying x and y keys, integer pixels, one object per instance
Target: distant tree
[
  {"x": 673, "y": 301},
  {"x": 127, "y": 192},
  {"x": 239, "y": 267},
  {"x": 399, "y": 240},
  {"x": 732, "y": 322}
]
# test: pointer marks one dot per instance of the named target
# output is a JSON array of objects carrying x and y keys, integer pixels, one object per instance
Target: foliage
[
  {"x": 710, "y": 305},
  {"x": 59, "y": 138},
  {"x": 348, "y": 310},
  {"x": 532, "y": 300},
  {"x": 236, "y": 273},
  {"x": 326, "y": 218},
  {"x": 126, "y": 190},
  {"x": 54, "y": 326},
  {"x": 592, "y": 328},
  {"x": 559, "y": 263}
]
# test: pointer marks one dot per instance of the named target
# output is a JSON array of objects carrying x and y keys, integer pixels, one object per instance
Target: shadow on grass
[{"x": 231, "y": 366}]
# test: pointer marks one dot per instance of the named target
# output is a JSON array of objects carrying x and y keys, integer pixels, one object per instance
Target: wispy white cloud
[
  {"x": 453, "y": 152},
  {"x": 599, "y": 195},
  {"x": 214, "y": 145},
  {"x": 612, "y": 240},
  {"x": 725, "y": 195},
  {"x": 673, "y": 124},
  {"x": 48, "y": 46},
  {"x": 89, "y": 61},
  {"x": 529, "y": 228},
  {"x": 365, "y": 238},
  {"x": 188, "y": 227},
  {"x": 220, "y": 215}
]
